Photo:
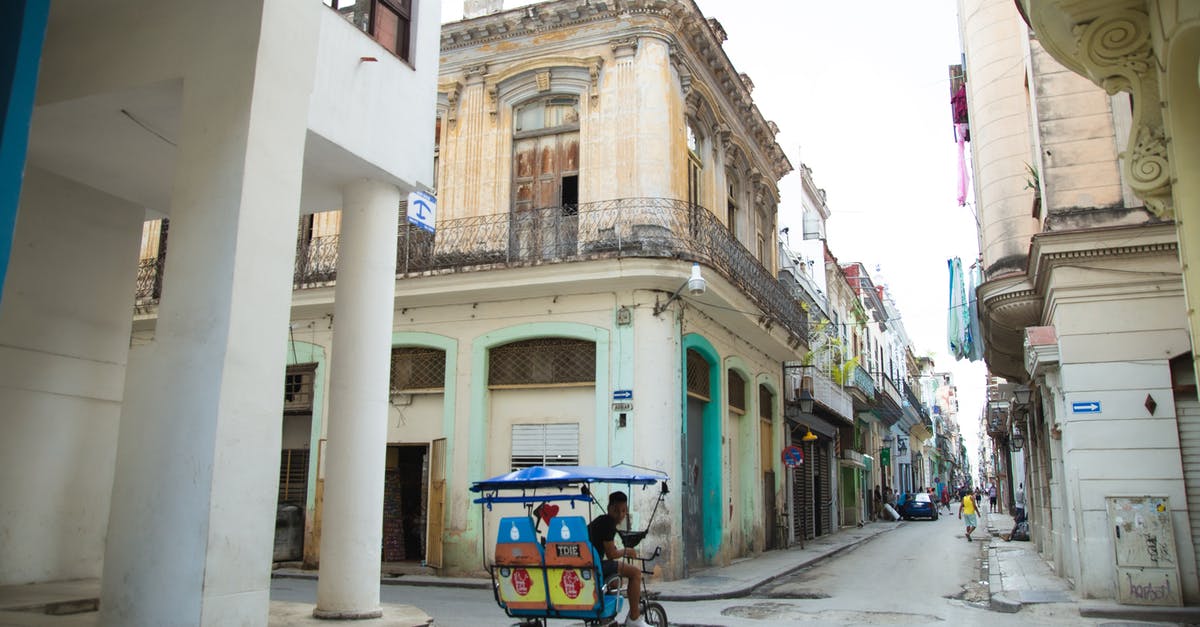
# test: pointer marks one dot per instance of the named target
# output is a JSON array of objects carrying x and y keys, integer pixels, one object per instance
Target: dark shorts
[{"x": 608, "y": 568}]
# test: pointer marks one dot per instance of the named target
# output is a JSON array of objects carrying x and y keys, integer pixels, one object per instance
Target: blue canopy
[{"x": 564, "y": 476}]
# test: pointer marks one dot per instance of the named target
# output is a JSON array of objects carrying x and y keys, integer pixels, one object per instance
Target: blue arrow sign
[
  {"x": 1086, "y": 407},
  {"x": 622, "y": 395}
]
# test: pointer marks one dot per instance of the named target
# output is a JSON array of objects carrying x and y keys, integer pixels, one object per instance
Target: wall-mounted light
[
  {"x": 695, "y": 285},
  {"x": 805, "y": 393},
  {"x": 1018, "y": 439}
]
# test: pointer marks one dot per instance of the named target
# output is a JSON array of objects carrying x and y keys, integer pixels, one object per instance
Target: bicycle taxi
[{"x": 543, "y": 565}]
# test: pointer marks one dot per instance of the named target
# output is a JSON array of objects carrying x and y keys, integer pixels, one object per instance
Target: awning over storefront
[{"x": 814, "y": 422}]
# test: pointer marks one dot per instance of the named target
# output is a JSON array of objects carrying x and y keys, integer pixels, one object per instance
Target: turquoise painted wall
[
  {"x": 22, "y": 31},
  {"x": 712, "y": 500},
  {"x": 305, "y": 353},
  {"x": 450, "y": 379},
  {"x": 479, "y": 420}
]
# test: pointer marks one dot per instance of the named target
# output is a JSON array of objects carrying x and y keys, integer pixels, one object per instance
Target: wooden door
[
  {"x": 436, "y": 521},
  {"x": 543, "y": 221}
]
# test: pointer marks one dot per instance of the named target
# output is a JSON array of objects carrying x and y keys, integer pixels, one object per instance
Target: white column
[
  {"x": 194, "y": 494},
  {"x": 351, "y": 539}
]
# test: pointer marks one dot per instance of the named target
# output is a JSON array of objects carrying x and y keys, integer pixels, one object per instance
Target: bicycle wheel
[{"x": 654, "y": 614}]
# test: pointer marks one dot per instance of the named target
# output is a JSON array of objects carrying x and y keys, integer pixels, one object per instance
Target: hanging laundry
[
  {"x": 956, "y": 317},
  {"x": 962, "y": 135},
  {"x": 975, "y": 327}
]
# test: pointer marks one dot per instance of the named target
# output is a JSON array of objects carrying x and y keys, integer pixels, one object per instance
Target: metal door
[{"x": 693, "y": 479}]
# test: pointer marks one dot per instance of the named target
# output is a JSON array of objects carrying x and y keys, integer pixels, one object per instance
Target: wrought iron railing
[
  {"x": 862, "y": 380},
  {"x": 825, "y": 390},
  {"x": 149, "y": 284},
  {"x": 629, "y": 227}
]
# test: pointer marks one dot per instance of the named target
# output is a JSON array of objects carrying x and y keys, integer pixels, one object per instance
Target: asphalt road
[{"x": 922, "y": 573}]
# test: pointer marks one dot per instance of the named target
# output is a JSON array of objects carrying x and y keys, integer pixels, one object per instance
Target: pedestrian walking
[
  {"x": 967, "y": 508},
  {"x": 1019, "y": 501},
  {"x": 946, "y": 500},
  {"x": 992, "y": 497}
]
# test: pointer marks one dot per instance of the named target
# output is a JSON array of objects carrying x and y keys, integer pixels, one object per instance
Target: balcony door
[{"x": 545, "y": 223}]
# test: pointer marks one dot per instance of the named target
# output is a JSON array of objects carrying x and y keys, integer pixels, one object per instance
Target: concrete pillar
[
  {"x": 351, "y": 538},
  {"x": 194, "y": 494}
]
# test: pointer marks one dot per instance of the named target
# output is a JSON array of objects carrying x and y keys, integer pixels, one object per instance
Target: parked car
[{"x": 919, "y": 506}]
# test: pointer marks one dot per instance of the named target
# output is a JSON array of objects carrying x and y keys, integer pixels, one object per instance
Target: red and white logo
[
  {"x": 521, "y": 581},
  {"x": 571, "y": 584}
]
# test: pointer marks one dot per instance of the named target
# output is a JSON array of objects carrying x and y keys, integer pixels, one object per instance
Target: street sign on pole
[{"x": 792, "y": 456}]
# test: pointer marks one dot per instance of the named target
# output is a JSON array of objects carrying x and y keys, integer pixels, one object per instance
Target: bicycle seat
[{"x": 631, "y": 538}]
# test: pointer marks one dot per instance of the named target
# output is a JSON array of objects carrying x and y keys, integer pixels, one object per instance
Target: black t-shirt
[{"x": 603, "y": 529}]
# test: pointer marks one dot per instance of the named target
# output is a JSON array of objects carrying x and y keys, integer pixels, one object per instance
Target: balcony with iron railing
[
  {"x": 825, "y": 390},
  {"x": 861, "y": 380},
  {"x": 623, "y": 228}
]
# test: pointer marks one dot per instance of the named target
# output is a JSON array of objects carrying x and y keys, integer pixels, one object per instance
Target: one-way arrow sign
[{"x": 1086, "y": 407}]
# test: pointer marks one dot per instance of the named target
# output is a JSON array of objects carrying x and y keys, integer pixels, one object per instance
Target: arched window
[
  {"x": 697, "y": 376},
  {"x": 695, "y": 166},
  {"x": 737, "y": 392},
  {"x": 543, "y": 361}
]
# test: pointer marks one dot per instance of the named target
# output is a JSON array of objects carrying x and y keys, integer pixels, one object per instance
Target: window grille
[
  {"x": 737, "y": 392},
  {"x": 765, "y": 402},
  {"x": 697, "y": 376},
  {"x": 418, "y": 368},
  {"x": 545, "y": 445},
  {"x": 543, "y": 361},
  {"x": 293, "y": 477},
  {"x": 298, "y": 388}
]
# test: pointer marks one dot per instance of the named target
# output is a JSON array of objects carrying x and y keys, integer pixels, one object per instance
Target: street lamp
[
  {"x": 806, "y": 392},
  {"x": 1022, "y": 394},
  {"x": 1018, "y": 439}
]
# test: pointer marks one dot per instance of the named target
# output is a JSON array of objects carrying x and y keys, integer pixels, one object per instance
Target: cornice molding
[
  {"x": 686, "y": 23},
  {"x": 1111, "y": 43}
]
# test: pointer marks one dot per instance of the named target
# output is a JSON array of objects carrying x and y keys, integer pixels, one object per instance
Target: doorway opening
[{"x": 406, "y": 480}]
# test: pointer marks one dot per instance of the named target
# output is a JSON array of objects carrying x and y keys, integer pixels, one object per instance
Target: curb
[
  {"x": 485, "y": 584},
  {"x": 748, "y": 588},
  {"x": 998, "y": 600},
  {"x": 428, "y": 582}
]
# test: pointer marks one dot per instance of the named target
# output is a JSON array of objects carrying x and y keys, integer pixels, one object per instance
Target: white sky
[{"x": 860, "y": 93}]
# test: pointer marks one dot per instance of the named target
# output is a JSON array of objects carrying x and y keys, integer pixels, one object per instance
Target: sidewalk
[
  {"x": 75, "y": 604},
  {"x": 742, "y": 576},
  {"x": 734, "y": 580},
  {"x": 1018, "y": 576}
]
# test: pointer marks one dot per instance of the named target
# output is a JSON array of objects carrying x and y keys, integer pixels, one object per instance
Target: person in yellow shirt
[{"x": 967, "y": 508}]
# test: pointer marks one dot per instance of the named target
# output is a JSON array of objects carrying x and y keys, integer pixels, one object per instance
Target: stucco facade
[
  {"x": 1083, "y": 298},
  {"x": 152, "y": 464}
]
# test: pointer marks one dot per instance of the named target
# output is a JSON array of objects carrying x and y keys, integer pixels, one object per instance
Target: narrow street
[{"x": 923, "y": 572}]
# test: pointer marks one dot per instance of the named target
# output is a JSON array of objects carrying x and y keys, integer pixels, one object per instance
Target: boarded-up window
[
  {"x": 298, "y": 389},
  {"x": 544, "y": 361},
  {"x": 697, "y": 376},
  {"x": 737, "y": 392},
  {"x": 418, "y": 368},
  {"x": 545, "y": 445}
]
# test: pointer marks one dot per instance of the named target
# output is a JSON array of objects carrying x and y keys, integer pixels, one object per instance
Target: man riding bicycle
[{"x": 602, "y": 533}]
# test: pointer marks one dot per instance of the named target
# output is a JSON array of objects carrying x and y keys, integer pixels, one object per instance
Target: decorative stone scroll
[{"x": 1117, "y": 50}]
